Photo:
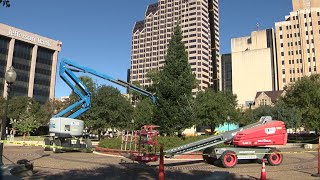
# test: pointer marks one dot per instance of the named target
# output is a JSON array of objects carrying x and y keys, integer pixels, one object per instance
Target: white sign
[
  {"x": 270, "y": 130},
  {"x": 16, "y": 33}
]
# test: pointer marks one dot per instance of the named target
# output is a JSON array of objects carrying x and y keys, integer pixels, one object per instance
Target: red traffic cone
[{"x": 263, "y": 171}]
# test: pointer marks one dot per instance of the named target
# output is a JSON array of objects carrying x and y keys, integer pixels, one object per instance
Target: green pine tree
[{"x": 174, "y": 89}]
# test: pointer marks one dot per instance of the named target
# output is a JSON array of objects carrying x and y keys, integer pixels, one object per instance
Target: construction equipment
[
  {"x": 67, "y": 132},
  {"x": 248, "y": 142},
  {"x": 146, "y": 140}
]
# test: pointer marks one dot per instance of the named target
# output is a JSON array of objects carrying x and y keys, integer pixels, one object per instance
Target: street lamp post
[
  {"x": 228, "y": 119},
  {"x": 10, "y": 77}
]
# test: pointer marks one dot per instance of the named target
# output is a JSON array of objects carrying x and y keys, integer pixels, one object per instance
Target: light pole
[
  {"x": 228, "y": 120},
  {"x": 10, "y": 77}
]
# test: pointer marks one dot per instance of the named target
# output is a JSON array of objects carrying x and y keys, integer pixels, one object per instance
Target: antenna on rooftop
[{"x": 258, "y": 25}]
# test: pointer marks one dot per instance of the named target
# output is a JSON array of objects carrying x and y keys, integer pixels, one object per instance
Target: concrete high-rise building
[
  {"x": 253, "y": 65},
  {"x": 199, "y": 21},
  {"x": 298, "y": 42},
  {"x": 34, "y": 59}
]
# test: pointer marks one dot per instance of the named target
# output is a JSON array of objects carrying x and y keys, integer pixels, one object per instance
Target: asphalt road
[{"x": 77, "y": 165}]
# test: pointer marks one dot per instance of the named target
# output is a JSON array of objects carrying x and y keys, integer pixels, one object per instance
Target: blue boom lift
[{"x": 67, "y": 132}]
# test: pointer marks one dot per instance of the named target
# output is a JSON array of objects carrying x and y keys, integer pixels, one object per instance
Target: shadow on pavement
[{"x": 115, "y": 172}]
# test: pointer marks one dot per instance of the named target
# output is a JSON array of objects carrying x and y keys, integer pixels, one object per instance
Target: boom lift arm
[
  {"x": 68, "y": 131},
  {"x": 67, "y": 69}
]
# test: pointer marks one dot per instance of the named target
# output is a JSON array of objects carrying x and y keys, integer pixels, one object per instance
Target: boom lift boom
[{"x": 68, "y": 131}]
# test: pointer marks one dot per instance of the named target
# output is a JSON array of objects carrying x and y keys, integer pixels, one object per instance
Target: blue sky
[{"x": 97, "y": 33}]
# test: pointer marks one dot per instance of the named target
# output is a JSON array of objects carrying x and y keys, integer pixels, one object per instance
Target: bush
[{"x": 112, "y": 143}]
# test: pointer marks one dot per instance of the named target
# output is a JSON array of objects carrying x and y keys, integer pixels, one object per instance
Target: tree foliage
[
  {"x": 174, "y": 88},
  {"x": 26, "y": 122},
  {"x": 50, "y": 108},
  {"x": 291, "y": 115},
  {"x": 143, "y": 113},
  {"x": 109, "y": 109},
  {"x": 304, "y": 97},
  {"x": 213, "y": 108},
  {"x": 21, "y": 104},
  {"x": 5, "y": 3},
  {"x": 25, "y": 114}
]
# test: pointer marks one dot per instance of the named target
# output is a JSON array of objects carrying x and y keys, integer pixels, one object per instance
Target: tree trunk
[
  {"x": 211, "y": 129},
  {"x": 99, "y": 135},
  {"x": 24, "y": 136}
]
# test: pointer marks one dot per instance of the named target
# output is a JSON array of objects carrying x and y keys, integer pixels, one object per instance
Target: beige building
[
  {"x": 298, "y": 42},
  {"x": 253, "y": 70},
  {"x": 267, "y": 98},
  {"x": 199, "y": 20},
  {"x": 34, "y": 59}
]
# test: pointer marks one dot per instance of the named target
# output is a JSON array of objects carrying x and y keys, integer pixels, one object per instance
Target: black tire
[
  {"x": 47, "y": 143},
  {"x": 229, "y": 159},
  {"x": 274, "y": 157},
  {"x": 56, "y": 142},
  {"x": 208, "y": 160}
]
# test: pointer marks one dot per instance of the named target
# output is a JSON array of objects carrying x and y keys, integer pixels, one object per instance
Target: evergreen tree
[{"x": 174, "y": 88}]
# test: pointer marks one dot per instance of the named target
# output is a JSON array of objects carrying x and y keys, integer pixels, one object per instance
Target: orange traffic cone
[{"x": 263, "y": 171}]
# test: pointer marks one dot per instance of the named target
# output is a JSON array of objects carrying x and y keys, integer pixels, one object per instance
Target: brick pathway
[{"x": 77, "y": 165}]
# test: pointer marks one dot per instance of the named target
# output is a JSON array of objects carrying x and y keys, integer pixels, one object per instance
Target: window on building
[{"x": 263, "y": 102}]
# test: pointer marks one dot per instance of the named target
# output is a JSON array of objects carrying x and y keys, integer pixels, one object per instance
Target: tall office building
[
  {"x": 34, "y": 59},
  {"x": 298, "y": 47},
  {"x": 199, "y": 21},
  {"x": 253, "y": 65}
]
